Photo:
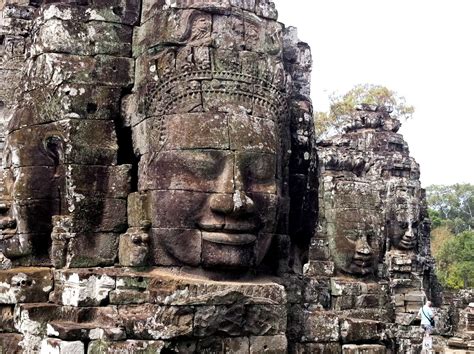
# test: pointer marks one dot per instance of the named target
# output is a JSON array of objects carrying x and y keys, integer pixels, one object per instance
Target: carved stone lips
[
  {"x": 407, "y": 243},
  {"x": 233, "y": 239},
  {"x": 230, "y": 233},
  {"x": 362, "y": 262}
]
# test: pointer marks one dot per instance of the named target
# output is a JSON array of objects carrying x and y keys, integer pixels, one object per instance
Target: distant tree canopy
[
  {"x": 452, "y": 243},
  {"x": 455, "y": 261},
  {"x": 342, "y": 106},
  {"x": 452, "y": 206}
]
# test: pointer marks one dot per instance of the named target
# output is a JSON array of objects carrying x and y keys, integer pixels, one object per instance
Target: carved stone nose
[
  {"x": 237, "y": 203},
  {"x": 243, "y": 203},
  {"x": 409, "y": 234},
  {"x": 363, "y": 247}
]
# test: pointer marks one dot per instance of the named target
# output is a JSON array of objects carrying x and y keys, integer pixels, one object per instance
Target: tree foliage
[
  {"x": 452, "y": 238},
  {"x": 455, "y": 261},
  {"x": 342, "y": 106},
  {"x": 452, "y": 206}
]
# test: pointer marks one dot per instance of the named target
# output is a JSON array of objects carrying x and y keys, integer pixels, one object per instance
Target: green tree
[
  {"x": 439, "y": 236},
  {"x": 452, "y": 206},
  {"x": 342, "y": 106},
  {"x": 455, "y": 261}
]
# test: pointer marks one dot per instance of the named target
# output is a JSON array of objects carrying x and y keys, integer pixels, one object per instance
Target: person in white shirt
[{"x": 427, "y": 316}]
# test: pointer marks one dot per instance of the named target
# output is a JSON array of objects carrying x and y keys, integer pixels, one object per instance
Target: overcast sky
[{"x": 422, "y": 49}]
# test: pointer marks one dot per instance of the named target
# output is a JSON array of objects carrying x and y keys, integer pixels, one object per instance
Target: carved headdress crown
[{"x": 261, "y": 93}]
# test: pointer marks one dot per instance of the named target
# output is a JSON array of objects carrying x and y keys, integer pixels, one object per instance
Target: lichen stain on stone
[{"x": 94, "y": 287}]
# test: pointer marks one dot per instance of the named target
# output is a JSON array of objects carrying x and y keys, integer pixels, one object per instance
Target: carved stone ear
[{"x": 54, "y": 147}]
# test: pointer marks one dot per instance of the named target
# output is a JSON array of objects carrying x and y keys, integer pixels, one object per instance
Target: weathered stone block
[
  {"x": 99, "y": 181},
  {"x": 93, "y": 250},
  {"x": 93, "y": 142},
  {"x": 134, "y": 248},
  {"x": 373, "y": 314},
  {"x": 137, "y": 209},
  {"x": 317, "y": 292},
  {"x": 219, "y": 320},
  {"x": 100, "y": 215},
  {"x": 355, "y": 330},
  {"x": 239, "y": 320},
  {"x": 21, "y": 285},
  {"x": 182, "y": 345},
  {"x": 263, "y": 36},
  {"x": 80, "y": 287},
  {"x": 128, "y": 296},
  {"x": 156, "y": 322},
  {"x": 150, "y": 8},
  {"x": 364, "y": 348},
  {"x": 210, "y": 345},
  {"x": 6, "y": 319},
  {"x": 269, "y": 344},
  {"x": 316, "y": 348},
  {"x": 18, "y": 11},
  {"x": 76, "y": 142},
  {"x": 344, "y": 302},
  {"x": 265, "y": 320},
  {"x": 128, "y": 346},
  {"x": 166, "y": 289},
  {"x": 320, "y": 326},
  {"x": 318, "y": 268},
  {"x": 217, "y": 254},
  {"x": 266, "y": 9},
  {"x": 239, "y": 345},
  {"x": 115, "y": 11},
  {"x": 371, "y": 301},
  {"x": 99, "y": 70},
  {"x": 72, "y": 100},
  {"x": 8, "y": 341},
  {"x": 32, "y": 319},
  {"x": 17, "y": 26},
  {"x": 90, "y": 38},
  {"x": 345, "y": 287},
  {"x": 50, "y": 345},
  {"x": 85, "y": 331}
]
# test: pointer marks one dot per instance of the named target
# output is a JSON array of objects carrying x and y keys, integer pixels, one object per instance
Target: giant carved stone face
[
  {"x": 32, "y": 180},
  {"x": 402, "y": 223},
  {"x": 208, "y": 134},
  {"x": 214, "y": 188},
  {"x": 354, "y": 243}
]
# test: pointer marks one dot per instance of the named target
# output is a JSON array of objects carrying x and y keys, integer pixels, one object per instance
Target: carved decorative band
[{"x": 183, "y": 92}]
